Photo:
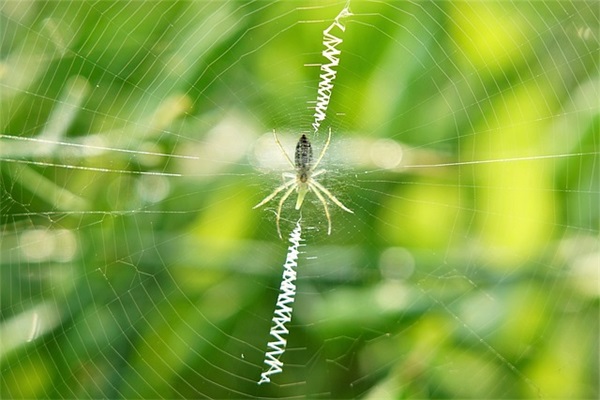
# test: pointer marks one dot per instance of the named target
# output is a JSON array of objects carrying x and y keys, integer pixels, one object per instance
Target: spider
[{"x": 303, "y": 180}]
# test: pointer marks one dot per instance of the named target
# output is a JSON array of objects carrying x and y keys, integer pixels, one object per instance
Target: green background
[{"x": 132, "y": 262}]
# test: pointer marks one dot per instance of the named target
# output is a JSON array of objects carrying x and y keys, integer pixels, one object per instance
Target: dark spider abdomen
[{"x": 303, "y": 157}]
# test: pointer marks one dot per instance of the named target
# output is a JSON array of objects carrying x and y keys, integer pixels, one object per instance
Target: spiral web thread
[
  {"x": 328, "y": 71},
  {"x": 283, "y": 308}
]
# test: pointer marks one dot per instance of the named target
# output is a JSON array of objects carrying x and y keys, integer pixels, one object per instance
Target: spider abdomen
[{"x": 303, "y": 156}]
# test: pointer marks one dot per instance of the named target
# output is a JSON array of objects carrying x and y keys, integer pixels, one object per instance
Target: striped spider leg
[{"x": 302, "y": 181}]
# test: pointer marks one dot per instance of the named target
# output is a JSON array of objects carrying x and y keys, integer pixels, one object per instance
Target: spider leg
[
  {"x": 283, "y": 199},
  {"x": 275, "y": 193},
  {"x": 317, "y": 185},
  {"x": 317, "y": 173},
  {"x": 323, "y": 151},
  {"x": 317, "y": 192},
  {"x": 289, "y": 160}
]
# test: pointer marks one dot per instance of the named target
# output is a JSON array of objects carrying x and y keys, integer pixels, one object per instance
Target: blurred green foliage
[{"x": 131, "y": 261}]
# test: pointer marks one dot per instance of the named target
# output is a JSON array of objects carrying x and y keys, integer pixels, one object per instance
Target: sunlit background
[{"x": 137, "y": 136}]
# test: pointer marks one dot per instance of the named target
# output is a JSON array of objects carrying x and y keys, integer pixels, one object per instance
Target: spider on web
[{"x": 303, "y": 180}]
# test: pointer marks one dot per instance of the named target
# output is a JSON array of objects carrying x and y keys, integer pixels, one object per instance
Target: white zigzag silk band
[
  {"x": 283, "y": 308},
  {"x": 328, "y": 71}
]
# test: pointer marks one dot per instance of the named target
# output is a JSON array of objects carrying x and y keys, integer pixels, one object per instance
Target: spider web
[{"x": 136, "y": 138}]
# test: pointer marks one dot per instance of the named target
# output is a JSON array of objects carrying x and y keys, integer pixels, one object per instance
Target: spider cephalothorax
[{"x": 303, "y": 180}]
